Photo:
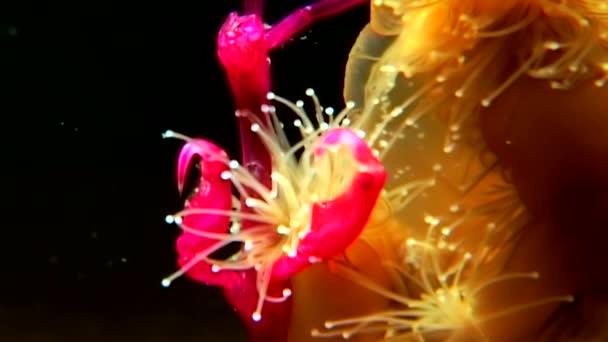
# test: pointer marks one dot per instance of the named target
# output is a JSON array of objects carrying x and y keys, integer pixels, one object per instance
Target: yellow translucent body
[
  {"x": 473, "y": 99},
  {"x": 446, "y": 62}
]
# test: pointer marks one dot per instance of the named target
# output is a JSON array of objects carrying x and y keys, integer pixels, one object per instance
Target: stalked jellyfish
[
  {"x": 293, "y": 221},
  {"x": 243, "y": 46}
]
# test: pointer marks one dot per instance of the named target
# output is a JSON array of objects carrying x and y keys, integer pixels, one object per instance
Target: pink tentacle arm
[
  {"x": 242, "y": 52},
  {"x": 336, "y": 223},
  {"x": 302, "y": 18},
  {"x": 212, "y": 193}
]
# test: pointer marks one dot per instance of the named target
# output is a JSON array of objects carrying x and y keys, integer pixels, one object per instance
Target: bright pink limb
[
  {"x": 304, "y": 17},
  {"x": 212, "y": 192},
  {"x": 336, "y": 224},
  {"x": 210, "y": 155},
  {"x": 242, "y": 51}
]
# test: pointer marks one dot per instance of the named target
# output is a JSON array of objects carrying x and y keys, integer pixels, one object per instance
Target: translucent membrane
[{"x": 420, "y": 74}]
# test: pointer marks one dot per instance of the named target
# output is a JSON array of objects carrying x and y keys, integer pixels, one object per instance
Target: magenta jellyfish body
[
  {"x": 287, "y": 210},
  {"x": 294, "y": 223}
]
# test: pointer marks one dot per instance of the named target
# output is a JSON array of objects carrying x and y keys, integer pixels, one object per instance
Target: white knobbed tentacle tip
[
  {"x": 168, "y": 134},
  {"x": 170, "y": 219}
]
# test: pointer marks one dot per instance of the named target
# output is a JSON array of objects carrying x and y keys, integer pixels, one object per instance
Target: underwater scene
[{"x": 329, "y": 170}]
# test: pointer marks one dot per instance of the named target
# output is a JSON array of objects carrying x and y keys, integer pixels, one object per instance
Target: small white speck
[
  {"x": 314, "y": 259},
  {"x": 226, "y": 175},
  {"x": 265, "y": 108},
  {"x": 250, "y": 202},
  {"x": 235, "y": 228}
]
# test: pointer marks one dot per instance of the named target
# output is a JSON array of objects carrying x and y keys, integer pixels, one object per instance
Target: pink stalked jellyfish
[
  {"x": 285, "y": 213},
  {"x": 292, "y": 224}
]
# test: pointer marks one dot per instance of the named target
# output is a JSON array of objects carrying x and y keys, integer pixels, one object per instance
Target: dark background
[{"x": 87, "y": 90}]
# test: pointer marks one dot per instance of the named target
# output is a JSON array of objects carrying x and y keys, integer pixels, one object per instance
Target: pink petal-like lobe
[
  {"x": 336, "y": 223},
  {"x": 212, "y": 192}
]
